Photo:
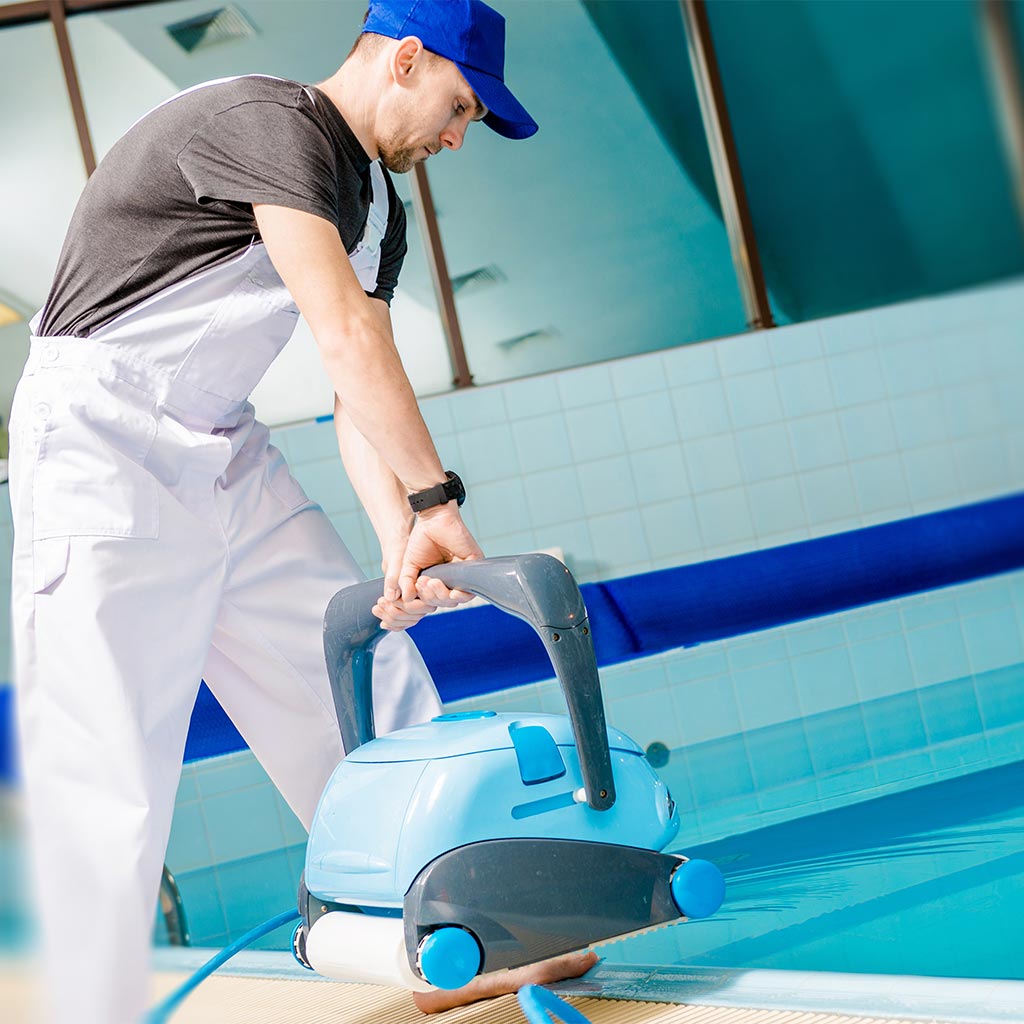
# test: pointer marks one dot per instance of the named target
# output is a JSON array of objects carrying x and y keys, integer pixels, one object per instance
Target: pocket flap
[{"x": 49, "y": 561}]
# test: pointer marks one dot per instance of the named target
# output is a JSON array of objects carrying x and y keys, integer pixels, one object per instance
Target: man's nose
[{"x": 453, "y": 137}]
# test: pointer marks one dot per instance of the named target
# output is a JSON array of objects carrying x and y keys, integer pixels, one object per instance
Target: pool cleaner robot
[{"x": 481, "y": 841}]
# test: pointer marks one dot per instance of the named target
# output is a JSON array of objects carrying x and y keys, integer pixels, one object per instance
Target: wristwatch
[{"x": 440, "y": 494}]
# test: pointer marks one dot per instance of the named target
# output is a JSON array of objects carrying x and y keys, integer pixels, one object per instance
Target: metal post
[
  {"x": 60, "y": 29},
  {"x": 1008, "y": 86},
  {"x": 56, "y": 12},
  {"x": 28, "y": 11},
  {"x": 173, "y": 909},
  {"x": 725, "y": 161},
  {"x": 426, "y": 217}
]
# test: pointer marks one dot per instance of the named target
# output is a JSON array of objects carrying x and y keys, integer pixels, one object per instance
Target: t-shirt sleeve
[
  {"x": 393, "y": 248},
  {"x": 262, "y": 152}
]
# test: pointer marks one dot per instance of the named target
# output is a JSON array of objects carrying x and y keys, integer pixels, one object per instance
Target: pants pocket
[
  {"x": 269, "y": 460},
  {"x": 282, "y": 483},
  {"x": 245, "y": 335},
  {"x": 91, "y": 442}
]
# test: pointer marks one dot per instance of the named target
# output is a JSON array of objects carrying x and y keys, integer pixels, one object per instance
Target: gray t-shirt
[{"x": 175, "y": 195}]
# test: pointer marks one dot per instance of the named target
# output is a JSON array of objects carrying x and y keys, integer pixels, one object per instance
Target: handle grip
[{"x": 536, "y": 588}]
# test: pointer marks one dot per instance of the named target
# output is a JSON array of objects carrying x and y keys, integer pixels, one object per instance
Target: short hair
[{"x": 369, "y": 44}]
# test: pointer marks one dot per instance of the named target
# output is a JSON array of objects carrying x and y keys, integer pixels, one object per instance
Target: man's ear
[{"x": 405, "y": 58}]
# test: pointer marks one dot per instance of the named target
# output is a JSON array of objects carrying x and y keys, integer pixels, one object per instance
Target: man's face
[{"x": 432, "y": 114}]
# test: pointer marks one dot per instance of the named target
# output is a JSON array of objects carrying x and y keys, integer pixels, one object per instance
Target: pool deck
[
  {"x": 263, "y": 1001},
  {"x": 269, "y": 988}
]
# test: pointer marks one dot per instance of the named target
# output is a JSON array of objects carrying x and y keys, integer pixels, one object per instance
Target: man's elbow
[{"x": 346, "y": 337}]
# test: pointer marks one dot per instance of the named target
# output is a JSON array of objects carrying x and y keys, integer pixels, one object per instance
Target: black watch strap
[{"x": 440, "y": 494}]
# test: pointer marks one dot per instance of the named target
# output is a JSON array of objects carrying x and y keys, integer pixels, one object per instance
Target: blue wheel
[
  {"x": 698, "y": 888},
  {"x": 449, "y": 957}
]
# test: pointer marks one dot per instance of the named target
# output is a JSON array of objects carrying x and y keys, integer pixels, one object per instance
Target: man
[{"x": 159, "y": 536}]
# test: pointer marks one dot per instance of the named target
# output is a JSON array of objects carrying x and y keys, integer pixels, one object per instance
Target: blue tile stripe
[
  {"x": 210, "y": 732},
  {"x": 757, "y": 590},
  {"x": 7, "y": 765}
]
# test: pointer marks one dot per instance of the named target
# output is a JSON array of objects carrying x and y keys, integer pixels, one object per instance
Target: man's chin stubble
[{"x": 399, "y": 163}]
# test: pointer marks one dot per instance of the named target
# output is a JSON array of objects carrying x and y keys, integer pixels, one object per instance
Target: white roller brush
[{"x": 362, "y": 948}]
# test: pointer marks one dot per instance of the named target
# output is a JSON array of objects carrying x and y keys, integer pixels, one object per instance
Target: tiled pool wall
[
  {"x": 803, "y": 718},
  {"x": 727, "y": 446},
  {"x": 695, "y": 453}
]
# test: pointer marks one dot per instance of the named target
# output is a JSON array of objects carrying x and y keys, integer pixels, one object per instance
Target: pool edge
[{"x": 964, "y": 1000}]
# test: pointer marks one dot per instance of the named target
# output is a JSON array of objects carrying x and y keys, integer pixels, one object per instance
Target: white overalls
[{"x": 160, "y": 539}]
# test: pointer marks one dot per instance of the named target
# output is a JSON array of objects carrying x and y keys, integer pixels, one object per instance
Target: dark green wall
[{"x": 867, "y": 137}]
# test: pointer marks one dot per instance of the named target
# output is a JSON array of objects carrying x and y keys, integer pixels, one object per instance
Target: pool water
[{"x": 926, "y": 882}]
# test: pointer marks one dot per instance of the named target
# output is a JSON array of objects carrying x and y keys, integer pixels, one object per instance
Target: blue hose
[
  {"x": 163, "y": 1010},
  {"x": 540, "y": 1006}
]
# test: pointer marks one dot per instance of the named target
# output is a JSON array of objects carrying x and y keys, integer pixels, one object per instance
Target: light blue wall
[{"x": 696, "y": 453}]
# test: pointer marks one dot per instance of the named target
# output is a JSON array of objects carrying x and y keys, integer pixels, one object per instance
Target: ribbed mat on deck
[
  {"x": 231, "y": 999},
  {"x": 234, "y": 1000}
]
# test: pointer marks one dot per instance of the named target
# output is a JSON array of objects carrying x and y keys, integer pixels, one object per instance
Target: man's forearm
[
  {"x": 382, "y": 494},
  {"x": 370, "y": 382}
]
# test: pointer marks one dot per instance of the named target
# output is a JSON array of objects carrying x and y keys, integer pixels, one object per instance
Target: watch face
[{"x": 454, "y": 489}]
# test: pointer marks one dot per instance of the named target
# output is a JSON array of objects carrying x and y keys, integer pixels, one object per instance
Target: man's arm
[
  {"x": 354, "y": 341},
  {"x": 385, "y": 500},
  {"x": 353, "y": 334}
]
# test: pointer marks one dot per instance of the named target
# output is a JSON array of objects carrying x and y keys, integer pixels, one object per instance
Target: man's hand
[
  {"x": 438, "y": 535},
  {"x": 399, "y": 615}
]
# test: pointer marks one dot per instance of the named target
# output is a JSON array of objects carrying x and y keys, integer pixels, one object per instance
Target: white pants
[{"x": 152, "y": 548}]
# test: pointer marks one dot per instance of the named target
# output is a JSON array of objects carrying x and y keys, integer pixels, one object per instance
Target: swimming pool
[{"x": 929, "y": 882}]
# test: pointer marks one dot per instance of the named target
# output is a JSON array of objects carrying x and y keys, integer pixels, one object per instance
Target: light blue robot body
[{"x": 401, "y": 800}]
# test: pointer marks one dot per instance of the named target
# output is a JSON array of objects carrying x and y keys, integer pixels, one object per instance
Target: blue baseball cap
[{"x": 469, "y": 34}]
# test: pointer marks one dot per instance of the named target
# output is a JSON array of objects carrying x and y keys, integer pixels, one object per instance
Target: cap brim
[{"x": 505, "y": 114}]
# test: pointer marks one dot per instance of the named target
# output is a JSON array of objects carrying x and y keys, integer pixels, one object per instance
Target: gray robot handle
[{"x": 536, "y": 588}]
